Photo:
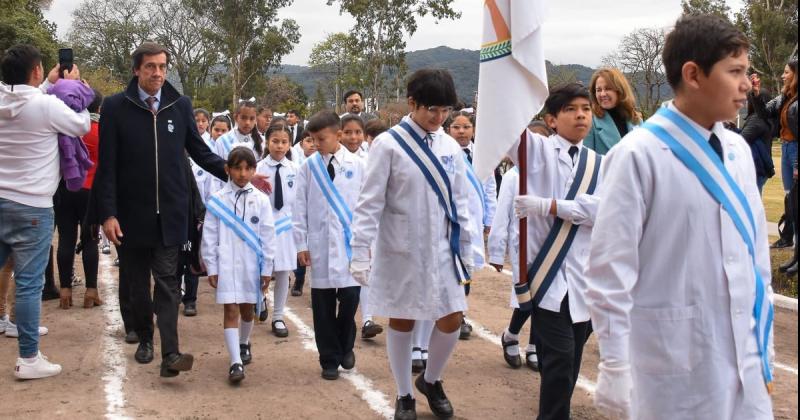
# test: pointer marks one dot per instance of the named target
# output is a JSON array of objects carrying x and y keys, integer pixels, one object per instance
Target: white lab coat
[
  {"x": 413, "y": 276},
  {"x": 201, "y": 176},
  {"x": 671, "y": 284},
  {"x": 504, "y": 237},
  {"x": 298, "y": 155},
  {"x": 316, "y": 226},
  {"x": 480, "y": 217},
  {"x": 239, "y": 139},
  {"x": 550, "y": 175},
  {"x": 228, "y": 256},
  {"x": 285, "y": 249}
]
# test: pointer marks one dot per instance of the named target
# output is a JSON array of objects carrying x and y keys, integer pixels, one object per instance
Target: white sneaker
[
  {"x": 11, "y": 330},
  {"x": 4, "y": 323},
  {"x": 40, "y": 367}
]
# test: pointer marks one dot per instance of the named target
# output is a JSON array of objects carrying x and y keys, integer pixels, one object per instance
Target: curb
[{"x": 784, "y": 302}]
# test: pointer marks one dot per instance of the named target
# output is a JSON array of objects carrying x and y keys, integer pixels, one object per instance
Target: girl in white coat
[
  {"x": 245, "y": 133},
  {"x": 282, "y": 171},
  {"x": 423, "y": 247},
  {"x": 238, "y": 249}
]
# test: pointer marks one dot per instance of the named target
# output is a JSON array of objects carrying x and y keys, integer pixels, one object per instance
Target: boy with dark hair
[
  {"x": 327, "y": 190},
  {"x": 682, "y": 308},
  {"x": 560, "y": 207},
  {"x": 418, "y": 267}
]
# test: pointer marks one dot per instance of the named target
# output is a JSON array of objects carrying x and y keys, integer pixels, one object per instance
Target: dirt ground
[{"x": 102, "y": 379}]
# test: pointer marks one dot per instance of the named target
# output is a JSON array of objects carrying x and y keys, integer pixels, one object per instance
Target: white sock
[
  {"x": 416, "y": 355},
  {"x": 442, "y": 346},
  {"x": 511, "y": 350},
  {"x": 531, "y": 348},
  {"x": 363, "y": 296},
  {"x": 245, "y": 328},
  {"x": 422, "y": 333},
  {"x": 280, "y": 292},
  {"x": 398, "y": 348},
  {"x": 232, "y": 342}
]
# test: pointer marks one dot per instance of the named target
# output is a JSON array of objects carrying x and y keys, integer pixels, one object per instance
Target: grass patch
[
  {"x": 773, "y": 189},
  {"x": 781, "y": 283}
]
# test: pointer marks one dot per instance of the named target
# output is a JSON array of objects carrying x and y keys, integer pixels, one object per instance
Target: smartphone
[{"x": 64, "y": 61}]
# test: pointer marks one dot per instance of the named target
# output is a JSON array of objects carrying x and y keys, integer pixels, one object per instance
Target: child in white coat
[
  {"x": 283, "y": 172},
  {"x": 328, "y": 184},
  {"x": 238, "y": 250}
]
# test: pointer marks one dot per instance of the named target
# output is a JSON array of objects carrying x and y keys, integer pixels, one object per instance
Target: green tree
[
  {"x": 282, "y": 94},
  {"x": 319, "y": 102},
  {"x": 22, "y": 22},
  {"x": 380, "y": 31},
  {"x": 771, "y": 27},
  {"x": 104, "y": 33},
  {"x": 250, "y": 36},
  {"x": 339, "y": 60},
  {"x": 706, "y": 7}
]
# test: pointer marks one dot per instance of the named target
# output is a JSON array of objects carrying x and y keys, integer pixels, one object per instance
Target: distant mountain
[{"x": 463, "y": 65}]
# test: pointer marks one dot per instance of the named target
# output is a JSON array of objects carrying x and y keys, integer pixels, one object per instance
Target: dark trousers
[
  {"x": 70, "y": 210},
  {"x": 299, "y": 277},
  {"x": 190, "y": 281},
  {"x": 334, "y": 332},
  {"x": 135, "y": 266},
  {"x": 559, "y": 348}
]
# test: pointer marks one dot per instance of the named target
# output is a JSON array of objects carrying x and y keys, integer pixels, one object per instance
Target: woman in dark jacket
[{"x": 757, "y": 130}]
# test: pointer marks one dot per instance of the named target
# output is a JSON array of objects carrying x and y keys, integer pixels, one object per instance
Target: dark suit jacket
[
  {"x": 298, "y": 130},
  {"x": 142, "y": 170}
]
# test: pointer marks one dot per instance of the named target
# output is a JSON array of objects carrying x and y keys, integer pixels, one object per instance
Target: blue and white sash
[
  {"x": 244, "y": 232},
  {"x": 334, "y": 199},
  {"x": 210, "y": 143},
  {"x": 694, "y": 151},
  {"x": 283, "y": 225},
  {"x": 434, "y": 173},
  {"x": 548, "y": 261},
  {"x": 476, "y": 184}
]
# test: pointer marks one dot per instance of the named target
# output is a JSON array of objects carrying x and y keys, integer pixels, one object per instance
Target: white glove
[
  {"x": 612, "y": 396},
  {"x": 360, "y": 271},
  {"x": 531, "y": 205}
]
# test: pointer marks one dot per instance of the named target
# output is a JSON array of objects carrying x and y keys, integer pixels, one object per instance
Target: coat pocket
[
  {"x": 394, "y": 233},
  {"x": 667, "y": 341}
]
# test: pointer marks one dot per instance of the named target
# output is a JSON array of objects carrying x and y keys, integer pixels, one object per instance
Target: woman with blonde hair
[{"x": 613, "y": 106}]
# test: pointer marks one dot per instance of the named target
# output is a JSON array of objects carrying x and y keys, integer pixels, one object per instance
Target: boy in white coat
[
  {"x": 420, "y": 219},
  {"x": 328, "y": 184},
  {"x": 560, "y": 206},
  {"x": 679, "y": 284}
]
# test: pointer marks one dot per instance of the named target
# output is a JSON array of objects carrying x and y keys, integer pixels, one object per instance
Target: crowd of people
[{"x": 395, "y": 221}]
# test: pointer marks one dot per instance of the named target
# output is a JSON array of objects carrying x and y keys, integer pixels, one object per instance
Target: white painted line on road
[
  {"x": 484, "y": 333},
  {"x": 376, "y": 400},
  {"x": 112, "y": 351},
  {"x": 780, "y": 300}
]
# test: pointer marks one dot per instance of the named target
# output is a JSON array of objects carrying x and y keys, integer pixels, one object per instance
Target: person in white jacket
[
  {"x": 679, "y": 269},
  {"x": 327, "y": 189},
  {"x": 482, "y": 197},
  {"x": 422, "y": 254},
  {"x": 283, "y": 173},
  {"x": 560, "y": 206},
  {"x": 238, "y": 249},
  {"x": 30, "y": 122}
]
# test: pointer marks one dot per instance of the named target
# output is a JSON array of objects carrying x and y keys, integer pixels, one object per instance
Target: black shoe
[
  {"x": 792, "y": 270},
  {"x": 144, "y": 353},
  {"x": 176, "y": 363},
  {"x": 262, "y": 317},
  {"x": 279, "y": 328},
  {"x": 131, "y": 337},
  {"x": 513, "y": 361},
  {"x": 349, "y": 361},
  {"x": 330, "y": 374},
  {"x": 50, "y": 294},
  {"x": 190, "y": 309},
  {"x": 245, "y": 354},
  {"x": 297, "y": 292},
  {"x": 405, "y": 408},
  {"x": 787, "y": 265},
  {"x": 416, "y": 364},
  {"x": 437, "y": 400},
  {"x": 370, "y": 330},
  {"x": 782, "y": 243},
  {"x": 236, "y": 374},
  {"x": 532, "y": 364},
  {"x": 466, "y": 330}
]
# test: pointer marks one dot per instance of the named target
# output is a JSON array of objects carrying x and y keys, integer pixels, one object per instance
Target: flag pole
[{"x": 522, "y": 158}]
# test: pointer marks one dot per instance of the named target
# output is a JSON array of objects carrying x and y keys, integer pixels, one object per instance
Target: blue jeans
[
  {"x": 788, "y": 160},
  {"x": 26, "y": 232}
]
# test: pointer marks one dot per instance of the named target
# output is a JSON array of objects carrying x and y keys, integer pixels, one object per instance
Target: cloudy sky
[{"x": 576, "y": 31}]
